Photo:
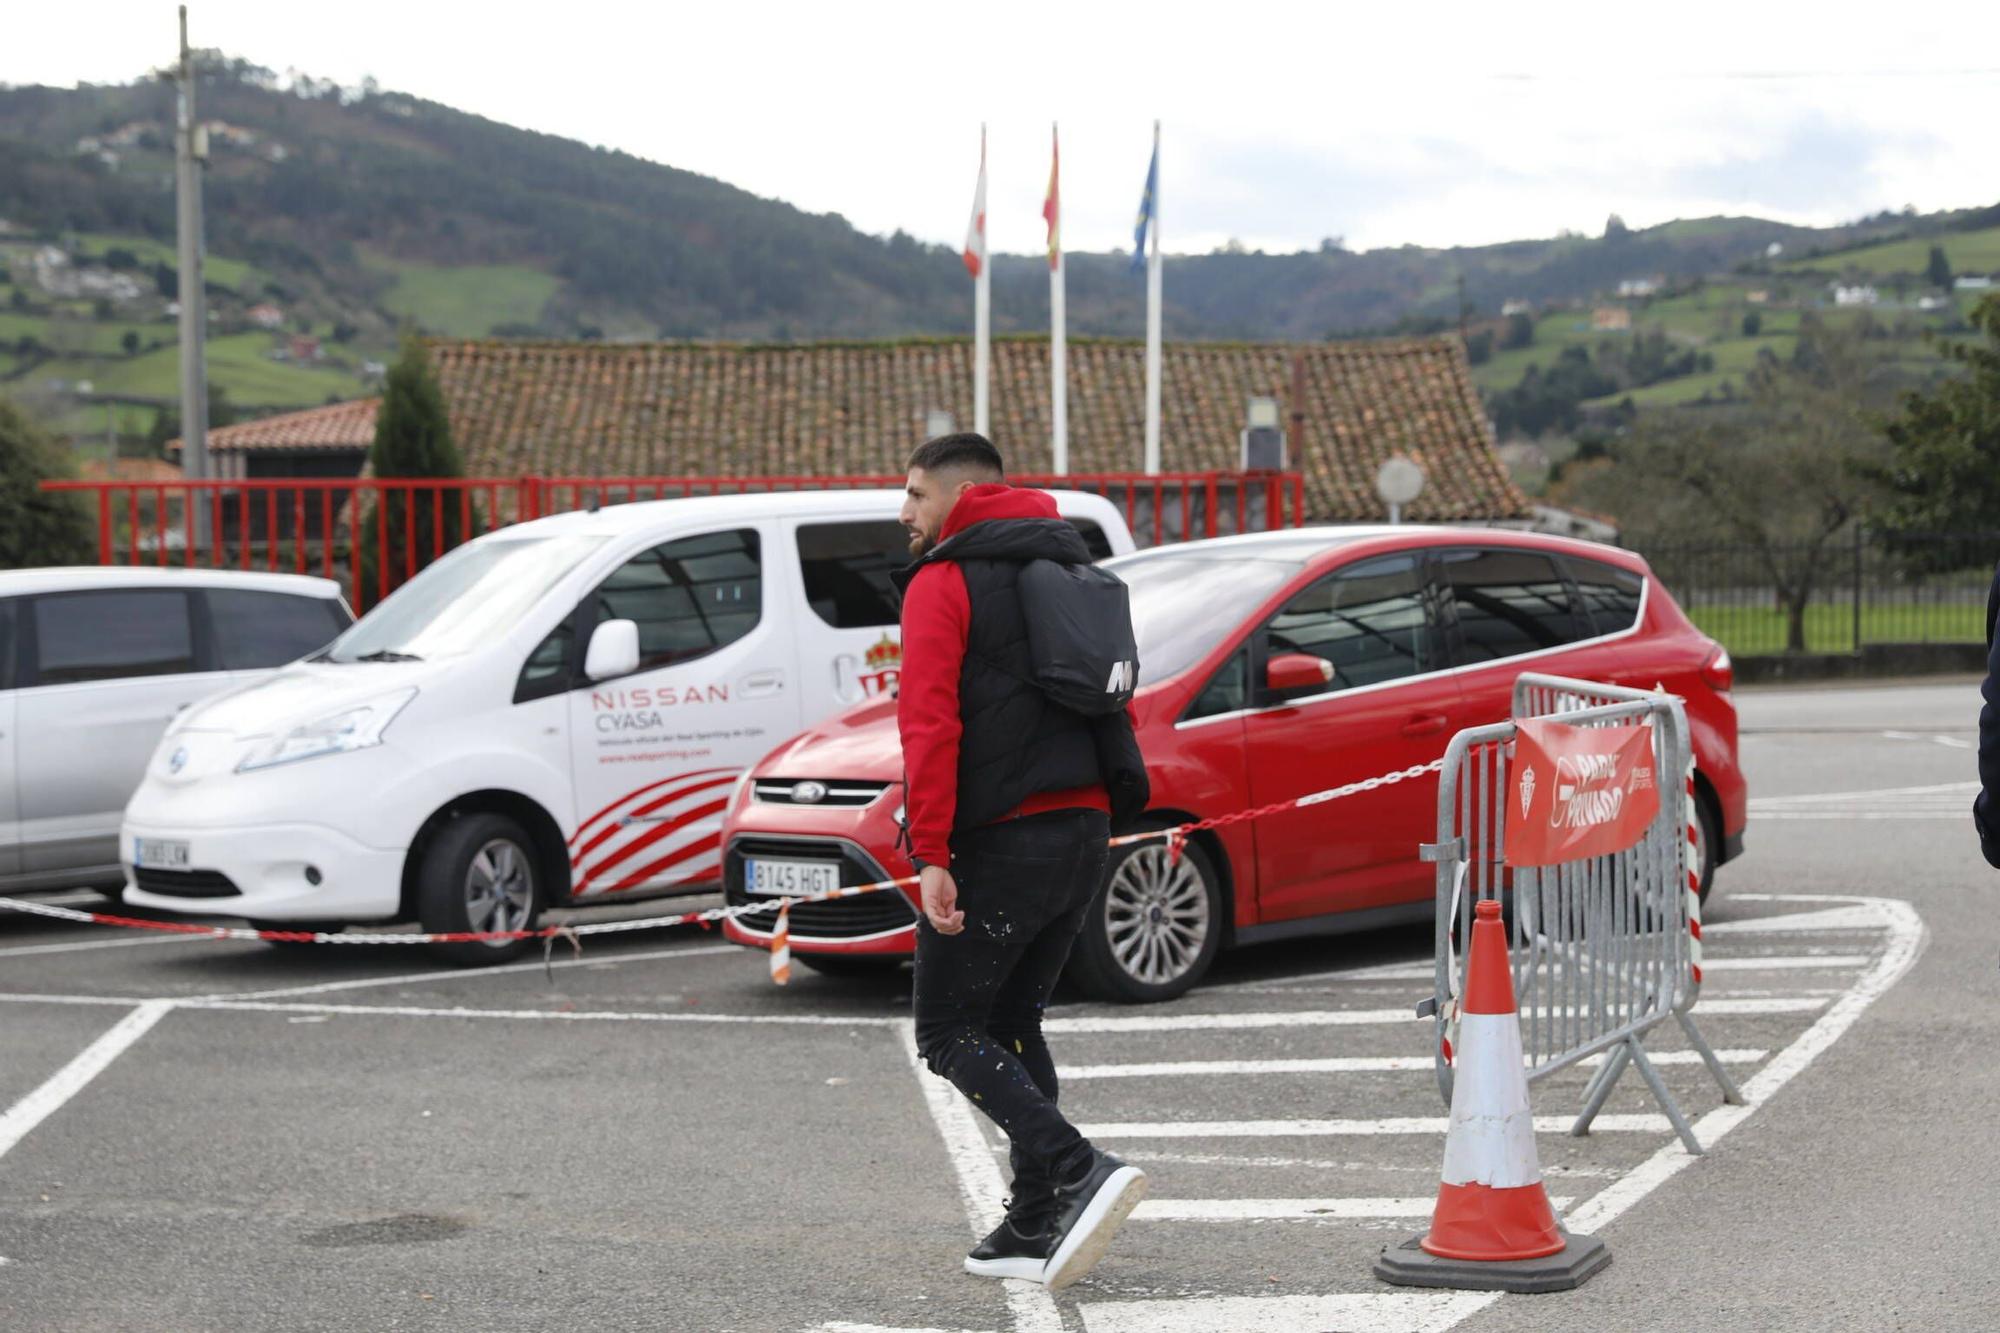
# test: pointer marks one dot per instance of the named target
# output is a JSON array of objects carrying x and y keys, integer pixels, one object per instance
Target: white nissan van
[{"x": 556, "y": 712}]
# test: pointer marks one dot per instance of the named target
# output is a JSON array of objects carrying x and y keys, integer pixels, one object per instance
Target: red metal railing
[{"x": 322, "y": 525}]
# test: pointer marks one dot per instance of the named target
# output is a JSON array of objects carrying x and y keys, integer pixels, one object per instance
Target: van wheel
[
  {"x": 479, "y": 873},
  {"x": 1153, "y": 929}
]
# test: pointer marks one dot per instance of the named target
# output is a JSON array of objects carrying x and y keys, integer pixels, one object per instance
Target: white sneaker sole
[
  {"x": 1091, "y": 1237},
  {"x": 1023, "y": 1267}
]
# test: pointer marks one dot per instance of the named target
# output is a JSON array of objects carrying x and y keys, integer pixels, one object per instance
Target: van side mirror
[
  {"x": 1290, "y": 672},
  {"x": 614, "y": 650}
]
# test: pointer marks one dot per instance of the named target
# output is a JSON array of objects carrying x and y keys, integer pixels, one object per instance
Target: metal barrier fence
[
  {"x": 1868, "y": 586},
  {"x": 333, "y": 526},
  {"x": 1603, "y": 949}
]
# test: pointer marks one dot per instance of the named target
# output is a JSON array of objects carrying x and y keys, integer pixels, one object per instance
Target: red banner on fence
[{"x": 1579, "y": 792}]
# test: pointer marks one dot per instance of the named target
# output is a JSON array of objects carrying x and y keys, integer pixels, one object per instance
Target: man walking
[{"x": 1009, "y": 798}]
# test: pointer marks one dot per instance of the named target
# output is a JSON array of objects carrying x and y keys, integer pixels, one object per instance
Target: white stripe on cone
[
  {"x": 781, "y": 946},
  {"x": 1492, "y": 1137}
]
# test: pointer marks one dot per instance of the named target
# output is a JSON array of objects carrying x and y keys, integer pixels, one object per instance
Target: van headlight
[{"x": 356, "y": 727}]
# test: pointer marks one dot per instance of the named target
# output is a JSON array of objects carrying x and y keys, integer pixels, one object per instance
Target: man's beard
[{"x": 919, "y": 543}]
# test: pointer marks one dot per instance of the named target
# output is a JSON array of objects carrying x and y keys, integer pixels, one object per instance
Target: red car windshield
[{"x": 1186, "y": 602}]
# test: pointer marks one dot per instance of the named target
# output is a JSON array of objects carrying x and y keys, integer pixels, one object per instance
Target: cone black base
[{"x": 1409, "y": 1265}]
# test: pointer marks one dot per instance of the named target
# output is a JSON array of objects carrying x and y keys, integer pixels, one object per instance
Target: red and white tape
[
  {"x": 1175, "y": 838},
  {"x": 1691, "y": 859}
]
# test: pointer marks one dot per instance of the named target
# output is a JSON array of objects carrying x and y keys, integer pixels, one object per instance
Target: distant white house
[
  {"x": 1860, "y": 295},
  {"x": 1933, "y": 302},
  {"x": 1517, "y": 307},
  {"x": 1774, "y": 249},
  {"x": 266, "y": 316},
  {"x": 1638, "y": 286},
  {"x": 1758, "y": 297},
  {"x": 1972, "y": 282}
]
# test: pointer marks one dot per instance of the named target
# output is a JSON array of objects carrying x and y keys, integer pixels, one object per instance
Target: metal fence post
[{"x": 1859, "y": 534}]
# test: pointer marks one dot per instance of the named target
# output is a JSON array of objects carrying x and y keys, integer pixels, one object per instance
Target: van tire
[
  {"x": 1141, "y": 878},
  {"x": 479, "y": 872}
]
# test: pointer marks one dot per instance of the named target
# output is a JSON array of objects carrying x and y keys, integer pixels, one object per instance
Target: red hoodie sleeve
[{"x": 936, "y": 615}]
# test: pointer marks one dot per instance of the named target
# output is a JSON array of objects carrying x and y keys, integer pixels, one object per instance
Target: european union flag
[{"x": 1145, "y": 213}]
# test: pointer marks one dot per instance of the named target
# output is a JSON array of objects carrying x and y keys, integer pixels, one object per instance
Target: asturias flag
[
  {"x": 1145, "y": 213},
  {"x": 1052, "y": 206},
  {"x": 975, "y": 232}
]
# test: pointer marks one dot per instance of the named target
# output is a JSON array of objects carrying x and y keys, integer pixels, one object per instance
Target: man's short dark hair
[{"x": 966, "y": 451}]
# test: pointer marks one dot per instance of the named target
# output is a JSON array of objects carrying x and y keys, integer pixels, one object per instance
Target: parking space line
[
  {"x": 1299, "y": 1210},
  {"x": 122, "y": 1001},
  {"x": 75, "y": 1076},
  {"x": 1345, "y": 1064},
  {"x": 1305, "y": 1129},
  {"x": 1311, "y": 1018},
  {"x": 455, "y": 974},
  {"x": 558, "y": 1015},
  {"x": 1425, "y": 971},
  {"x": 23, "y": 950},
  {"x": 1908, "y": 936},
  {"x": 1833, "y": 918},
  {"x": 979, "y": 1182},
  {"x": 1378, "y": 1312}
]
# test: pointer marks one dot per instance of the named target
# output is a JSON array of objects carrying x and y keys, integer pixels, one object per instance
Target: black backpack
[{"x": 1080, "y": 639}]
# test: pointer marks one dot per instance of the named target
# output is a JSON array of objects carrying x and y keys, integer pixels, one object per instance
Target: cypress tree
[{"x": 412, "y": 439}]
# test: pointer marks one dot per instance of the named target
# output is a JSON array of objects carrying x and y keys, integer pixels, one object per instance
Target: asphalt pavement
[{"x": 221, "y": 1135}]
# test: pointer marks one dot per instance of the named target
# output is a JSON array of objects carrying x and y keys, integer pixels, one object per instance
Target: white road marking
[
  {"x": 842, "y": 1326},
  {"x": 1907, "y": 939},
  {"x": 122, "y": 1001},
  {"x": 1949, "y": 742},
  {"x": 558, "y": 1015},
  {"x": 75, "y": 1076},
  {"x": 1833, "y": 918},
  {"x": 1425, "y": 972},
  {"x": 1293, "y": 1210},
  {"x": 979, "y": 1184},
  {"x": 1323, "y": 1164},
  {"x": 443, "y": 973},
  {"x": 1875, "y": 797},
  {"x": 1343, "y": 1064},
  {"x": 1313, "y": 1018},
  {"x": 1766, "y": 816},
  {"x": 1378, "y": 1312},
  {"x": 21, "y": 951},
  {"x": 1282, "y": 1129}
]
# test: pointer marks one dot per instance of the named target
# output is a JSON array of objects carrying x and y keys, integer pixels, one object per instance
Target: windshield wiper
[{"x": 387, "y": 655}]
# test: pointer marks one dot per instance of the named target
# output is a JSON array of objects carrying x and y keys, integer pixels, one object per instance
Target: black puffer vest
[{"x": 1017, "y": 742}]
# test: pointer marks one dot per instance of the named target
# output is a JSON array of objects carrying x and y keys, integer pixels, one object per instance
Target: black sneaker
[
  {"x": 1088, "y": 1213},
  {"x": 1008, "y": 1252}
]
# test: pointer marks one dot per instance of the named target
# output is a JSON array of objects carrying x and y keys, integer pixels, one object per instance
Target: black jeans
[{"x": 1024, "y": 886}]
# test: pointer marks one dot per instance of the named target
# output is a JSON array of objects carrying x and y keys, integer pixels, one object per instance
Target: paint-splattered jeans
[{"x": 1024, "y": 886}]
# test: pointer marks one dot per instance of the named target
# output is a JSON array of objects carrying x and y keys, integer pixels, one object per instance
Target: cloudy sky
[{"x": 1284, "y": 123}]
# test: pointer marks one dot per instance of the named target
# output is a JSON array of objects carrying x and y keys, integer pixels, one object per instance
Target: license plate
[
  {"x": 771, "y": 879},
  {"x": 160, "y": 853}
]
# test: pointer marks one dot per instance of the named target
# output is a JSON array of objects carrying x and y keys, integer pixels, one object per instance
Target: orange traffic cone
[{"x": 1493, "y": 1228}]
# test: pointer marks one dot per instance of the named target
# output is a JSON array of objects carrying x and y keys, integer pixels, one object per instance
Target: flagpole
[
  {"x": 1058, "y": 348},
  {"x": 1153, "y": 287},
  {"x": 982, "y": 311}
]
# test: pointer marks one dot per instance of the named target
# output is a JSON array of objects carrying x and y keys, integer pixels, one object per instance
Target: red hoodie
[{"x": 936, "y": 612}]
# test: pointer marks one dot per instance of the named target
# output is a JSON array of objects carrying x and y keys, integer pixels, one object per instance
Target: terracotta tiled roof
[
  {"x": 349, "y": 425},
  {"x": 139, "y": 470},
  {"x": 719, "y": 409}
]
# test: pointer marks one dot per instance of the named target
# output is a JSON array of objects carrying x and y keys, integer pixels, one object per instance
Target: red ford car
[{"x": 1271, "y": 665}]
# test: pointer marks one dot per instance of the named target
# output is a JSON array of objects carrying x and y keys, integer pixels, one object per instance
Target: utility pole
[{"x": 190, "y": 151}]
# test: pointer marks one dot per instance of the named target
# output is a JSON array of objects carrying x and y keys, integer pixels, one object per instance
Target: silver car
[{"x": 94, "y": 663}]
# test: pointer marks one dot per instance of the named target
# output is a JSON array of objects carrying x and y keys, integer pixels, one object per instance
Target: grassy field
[
  {"x": 1968, "y": 251},
  {"x": 467, "y": 301},
  {"x": 234, "y": 274},
  {"x": 238, "y": 362},
  {"x": 1749, "y": 631}
]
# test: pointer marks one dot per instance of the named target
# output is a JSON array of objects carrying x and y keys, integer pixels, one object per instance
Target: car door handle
[
  {"x": 1424, "y": 724},
  {"x": 759, "y": 683}
]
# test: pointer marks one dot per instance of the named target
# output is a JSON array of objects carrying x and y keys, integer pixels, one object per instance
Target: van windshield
[
  {"x": 1185, "y": 603},
  {"x": 462, "y": 601}
]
